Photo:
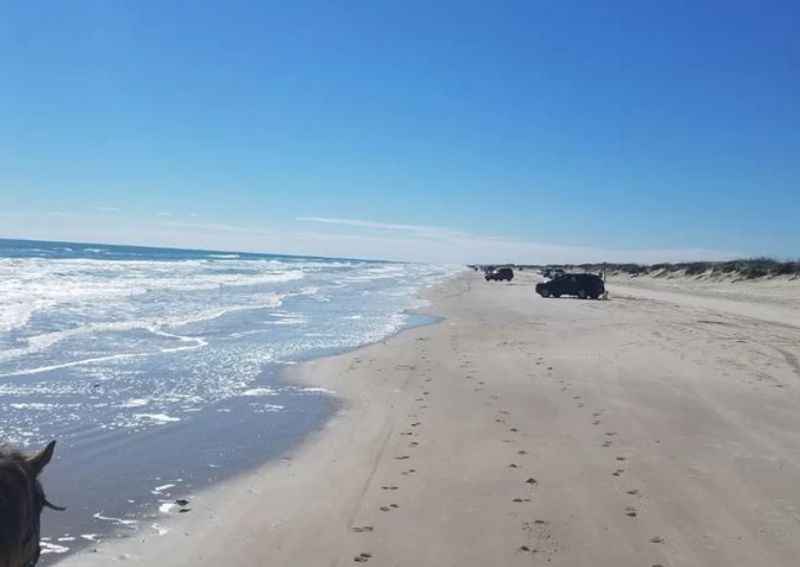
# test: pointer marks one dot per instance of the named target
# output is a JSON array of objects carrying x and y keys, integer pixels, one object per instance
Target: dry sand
[{"x": 647, "y": 430}]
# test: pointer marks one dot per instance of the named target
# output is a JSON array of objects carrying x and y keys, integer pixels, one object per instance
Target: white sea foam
[
  {"x": 317, "y": 390},
  {"x": 52, "y": 548},
  {"x": 128, "y": 523},
  {"x": 257, "y": 392},
  {"x": 135, "y": 403},
  {"x": 157, "y": 418}
]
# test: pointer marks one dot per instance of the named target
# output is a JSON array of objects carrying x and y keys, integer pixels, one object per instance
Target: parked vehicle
[
  {"x": 580, "y": 285},
  {"x": 500, "y": 274}
]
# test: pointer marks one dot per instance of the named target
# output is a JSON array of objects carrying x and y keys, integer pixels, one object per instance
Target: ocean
[{"x": 159, "y": 370}]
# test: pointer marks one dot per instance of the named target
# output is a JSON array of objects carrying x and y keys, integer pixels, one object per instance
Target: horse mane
[{"x": 15, "y": 498}]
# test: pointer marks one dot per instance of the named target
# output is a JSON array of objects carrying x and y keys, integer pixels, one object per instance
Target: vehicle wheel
[
  {"x": 595, "y": 296},
  {"x": 556, "y": 295},
  {"x": 582, "y": 294}
]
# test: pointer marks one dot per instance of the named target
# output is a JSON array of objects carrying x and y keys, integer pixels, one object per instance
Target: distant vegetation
[{"x": 744, "y": 269}]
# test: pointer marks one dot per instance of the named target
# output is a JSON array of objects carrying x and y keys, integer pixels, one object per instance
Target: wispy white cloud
[
  {"x": 163, "y": 214},
  {"x": 108, "y": 209},
  {"x": 420, "y": 230}
]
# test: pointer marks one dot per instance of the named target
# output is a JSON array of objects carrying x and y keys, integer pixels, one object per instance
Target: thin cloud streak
[{"x": 432, "y": 231}]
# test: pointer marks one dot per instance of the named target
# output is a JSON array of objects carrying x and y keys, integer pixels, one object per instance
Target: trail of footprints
[
  {"x": 630, "y": 511},
  {"x": 539, "y": 539},
  {"x": 412, "y": 432}
]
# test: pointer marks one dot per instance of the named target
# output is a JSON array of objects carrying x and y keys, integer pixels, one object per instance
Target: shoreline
[
  {"x": 521, "y": 431},
  {"x": 299, "y": 375}
]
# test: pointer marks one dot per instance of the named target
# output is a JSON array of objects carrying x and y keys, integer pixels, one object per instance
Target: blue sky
[{"x": 434, "y": 131}]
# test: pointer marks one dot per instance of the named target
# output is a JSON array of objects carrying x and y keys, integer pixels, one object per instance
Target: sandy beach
[{"x": 657, "y": 428}]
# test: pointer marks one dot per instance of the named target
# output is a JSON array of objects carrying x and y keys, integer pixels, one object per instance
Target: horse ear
[{"x": 40, "y": 460}]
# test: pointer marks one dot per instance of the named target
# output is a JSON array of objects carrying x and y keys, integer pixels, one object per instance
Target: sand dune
[{"x": 657, "y": 428}]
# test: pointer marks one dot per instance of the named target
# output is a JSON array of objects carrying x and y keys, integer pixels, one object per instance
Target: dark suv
[
  {"x": 582, "y": 285},
  {"x": 500, "y": 274}
]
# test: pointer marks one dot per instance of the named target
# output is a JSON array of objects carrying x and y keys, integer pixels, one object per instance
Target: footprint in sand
[
  {"x": 362, "y": 558},
  {"x": 596, "y": 422},
  {"x": 362, "y": 529},
  {"x": 390, "y": 487},
  {"x": 606, "y": 443},
  {"x": 618, "y": 472},
  {"x": 402, "y": 458},
  {"x": 630, "y": 511},
  {"x": 513, "y": 466},
  {"x": 633, "y": 492},
  {"x": 522, "y": 452},
  {"x": 532, "y": 481},
  {"x": 656, "y": 539},
  {"x": 513, "y": 430},
  {"x": 520, "y": 500},
  {"x": 416, "y": 424},
  {"x": 413, "y": 444}
]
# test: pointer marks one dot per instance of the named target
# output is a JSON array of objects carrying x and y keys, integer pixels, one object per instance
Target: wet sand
[{"x": 647, "y": 430}]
